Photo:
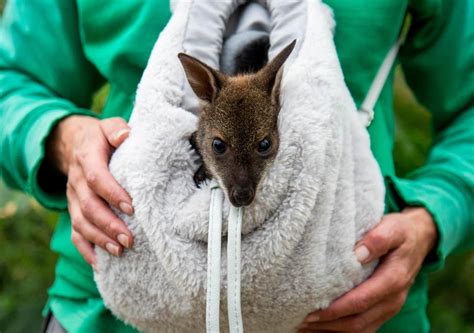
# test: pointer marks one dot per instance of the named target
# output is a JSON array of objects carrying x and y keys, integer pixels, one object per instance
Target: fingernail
[
  {"x": 112, "y": 248},
  {"x": 121, "y": 133},
  {"x": 126, "y": 208},
  {"x": 123, "y": 239},
  {"x": 312, "y": 318},
  {"x": 362, "y": 253}
]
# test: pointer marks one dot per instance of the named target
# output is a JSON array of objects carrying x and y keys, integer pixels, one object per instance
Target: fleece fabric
[{"x": 323, "y": 191}]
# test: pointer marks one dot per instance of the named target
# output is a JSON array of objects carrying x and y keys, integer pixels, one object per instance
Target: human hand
[
  {"x": 80, "y": 147},
  {"x": 401, "y": 241}
]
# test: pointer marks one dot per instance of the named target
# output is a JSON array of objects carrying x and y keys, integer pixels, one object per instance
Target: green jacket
[{"x": 54, "y": 54}]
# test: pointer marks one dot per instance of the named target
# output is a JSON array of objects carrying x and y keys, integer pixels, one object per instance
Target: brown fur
[{"x": 241, "y": 111}]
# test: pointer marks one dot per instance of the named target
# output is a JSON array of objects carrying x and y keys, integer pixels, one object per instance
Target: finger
[
  {"x": 100, "y": 180},
  {"x": 85, "y": 248},
  {"x": 87, "y": 230},
  {"x": 116, "y": 130},
  {"x": 384, "y": 237},
  {"x": 391, "y": 276},
  {"x": 361, "y": 322},
  {"x": 95, "y": 210},
  {"x": 97, "y": 237},
  {"x": 82, "y": 245}
]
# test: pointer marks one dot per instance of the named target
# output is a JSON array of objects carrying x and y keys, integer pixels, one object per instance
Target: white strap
[
  {"x": 233, "y": 270},
  {"x": 214, "y": 264},
  {"x": 366, "y": 110},
  {"x": 214, "y": 259}
]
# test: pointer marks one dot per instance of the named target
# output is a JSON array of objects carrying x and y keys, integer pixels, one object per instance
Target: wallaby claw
[{"x": 200, "y": 176}]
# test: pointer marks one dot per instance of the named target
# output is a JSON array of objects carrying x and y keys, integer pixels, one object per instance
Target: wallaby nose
[{"x": 242, "y": 196}]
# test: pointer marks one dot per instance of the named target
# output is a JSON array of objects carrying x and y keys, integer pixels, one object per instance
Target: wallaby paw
[{"x": 200, "y": 176}]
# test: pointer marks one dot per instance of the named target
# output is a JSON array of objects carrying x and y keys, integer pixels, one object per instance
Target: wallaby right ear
[
  {"x": 270, "y": 75},
  {"x": 205, "y": 81}
]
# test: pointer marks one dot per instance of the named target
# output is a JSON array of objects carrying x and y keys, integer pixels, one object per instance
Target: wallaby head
[{"x": 237, "y": 135}]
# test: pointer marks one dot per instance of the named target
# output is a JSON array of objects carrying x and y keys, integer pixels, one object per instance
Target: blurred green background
[{"x": 27, "y": 265}]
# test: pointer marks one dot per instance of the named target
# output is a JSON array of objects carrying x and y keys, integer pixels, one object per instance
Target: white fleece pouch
[{"x": 322, "y": 193}]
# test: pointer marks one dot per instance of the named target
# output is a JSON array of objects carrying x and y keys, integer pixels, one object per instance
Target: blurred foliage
[
  {"x": 413, "y": 132},
  {"x": 27, "y": 264}
]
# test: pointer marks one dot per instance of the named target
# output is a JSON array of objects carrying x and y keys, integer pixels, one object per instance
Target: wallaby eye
[
  {"x": 264, "y": 146},
  {"x": 218, "y": 146}
]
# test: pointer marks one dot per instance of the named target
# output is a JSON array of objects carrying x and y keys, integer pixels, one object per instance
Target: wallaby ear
[
  {"x": 205, "y": 81},
  {"x": 270, "y": 75}
]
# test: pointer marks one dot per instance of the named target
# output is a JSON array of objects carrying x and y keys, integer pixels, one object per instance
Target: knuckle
[
  {"x": 360, "y": 304},
  {"x": 377, "y": 239},
  {"x": 91, "y": 177},
  {"x": 393, "y": 279},
  {"x": 113, "y": 124},
  {"x": 80, "y": 156},
  {"x": 115, "y": 195},
  {"x": 86, "y": 205},
  {"x": 399, "y": 278},
  {"x": 112, "y": 229},
  {"x": 330, "y": 314}
]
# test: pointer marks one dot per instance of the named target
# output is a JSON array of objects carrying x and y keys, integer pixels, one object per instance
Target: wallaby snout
[{"x": 241, "y": 196}]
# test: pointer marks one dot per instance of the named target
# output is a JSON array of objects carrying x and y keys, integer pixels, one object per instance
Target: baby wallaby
[{"x": 237, "y": 135}]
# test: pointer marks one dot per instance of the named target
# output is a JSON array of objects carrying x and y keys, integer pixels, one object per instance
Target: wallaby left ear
[
  {"x": 204, "y": 80},
  {"x": 270, "y": 75}
]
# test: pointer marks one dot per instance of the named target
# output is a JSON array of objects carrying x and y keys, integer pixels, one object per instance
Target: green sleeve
[
  {"x": 44, "y": 77},
  {"x": 438, "y": 61}
]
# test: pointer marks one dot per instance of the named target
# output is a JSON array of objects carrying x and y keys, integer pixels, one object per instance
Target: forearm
[
  {"x": 44, "y": 77},
  {"x": 28, "y": 113}
]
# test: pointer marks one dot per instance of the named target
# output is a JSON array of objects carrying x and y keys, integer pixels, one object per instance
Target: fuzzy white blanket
[{"x": 322, "y": 193}]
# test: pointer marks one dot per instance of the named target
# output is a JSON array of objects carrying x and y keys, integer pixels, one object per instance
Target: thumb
[
  {"x": 116, "y": 130},
  {"x": 384, "y": 237}
]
